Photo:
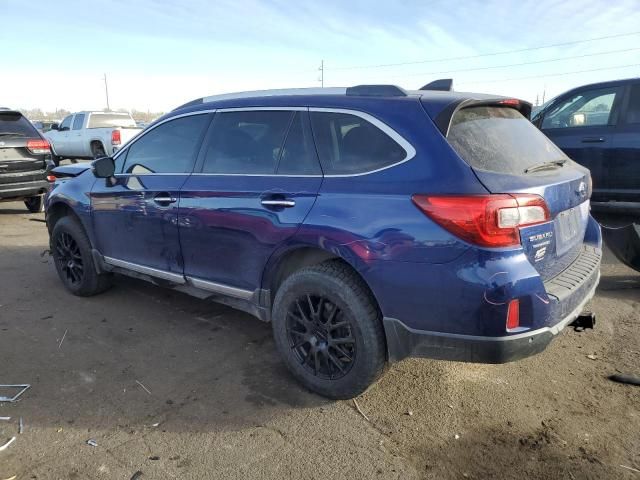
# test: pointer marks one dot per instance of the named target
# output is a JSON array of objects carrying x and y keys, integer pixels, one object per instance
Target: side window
[
  {"x": 298, "y": 156},
  {"x": 78, "y": 121},
  {"x": 66, "y": 123},
  {"x": 585, "y": 109},
  {"x": 633, "y": 110},
  {"x": 168, "y": 148},
  {"x": 349, "y": 144},
  {"x": 246, "y": 142}
]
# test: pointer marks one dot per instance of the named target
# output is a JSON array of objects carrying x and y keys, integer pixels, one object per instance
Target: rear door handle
[
  {"x": 285, "y": 203},
  {"x": 593, "y": 140},
  {"x": 164, "y": 199}
]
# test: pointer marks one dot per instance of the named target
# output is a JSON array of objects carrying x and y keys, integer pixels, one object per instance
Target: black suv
[
  {"x": 24, "y": 161},
  {"x": 598, "y": 126}
]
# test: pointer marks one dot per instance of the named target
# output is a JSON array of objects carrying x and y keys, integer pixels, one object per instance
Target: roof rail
[
  {"x": 376, "y": 91},
  {"x": 442, "y": 84}
]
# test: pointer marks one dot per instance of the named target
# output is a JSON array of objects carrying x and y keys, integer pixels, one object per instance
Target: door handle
[
  {"x": 164, "y": 199},
  {"x": 593, "y": 140},
  {"x": 285, "y": 203}
]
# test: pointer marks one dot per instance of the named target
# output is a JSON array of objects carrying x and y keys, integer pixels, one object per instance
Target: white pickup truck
[{"x": 87, "y": 135}]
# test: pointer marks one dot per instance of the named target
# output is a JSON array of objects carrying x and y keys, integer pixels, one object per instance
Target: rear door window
[
  {"x": 632, "y": 115},
  {"x": 298, "y": 156},
  {"x": 14, "y": 124},
  {"x": 78, "y": 121},
  {"x": 349, "y": 144},
  {"x": 246, "y": 142},
  {"x": 499, "y": 139}
]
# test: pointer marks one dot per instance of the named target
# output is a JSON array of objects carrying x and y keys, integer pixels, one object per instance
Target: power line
[
  {"x": 518, "y": 64},
  {"x": 551, "y": 74},
  {"x": 467, "y": 57}
]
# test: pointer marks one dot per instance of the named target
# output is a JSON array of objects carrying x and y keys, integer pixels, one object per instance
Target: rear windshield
[
  {"x": 499, "y": 139},
  {"x": 109, "y": 120},
  {"x": 14, "y": 124}
]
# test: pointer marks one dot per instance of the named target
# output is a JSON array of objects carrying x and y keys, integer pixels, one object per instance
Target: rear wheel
[
  {"x": 328, "y": 329},
  {"x": 72, "y": 256},
  {"x": 35, "y": 204},
  {"x": 98, "y": 151}
]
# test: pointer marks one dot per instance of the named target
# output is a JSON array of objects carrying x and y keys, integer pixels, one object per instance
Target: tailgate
[
  {"x": 509, "y": 155},
  {"x": 127, "y": 134}
]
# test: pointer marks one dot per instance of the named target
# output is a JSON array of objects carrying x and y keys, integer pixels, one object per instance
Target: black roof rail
[
  {"x": 442, "y": 85},
  {"x": 376, "y": 91}
]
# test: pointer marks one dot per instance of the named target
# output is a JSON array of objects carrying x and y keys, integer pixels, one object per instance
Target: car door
[
  {"x": 61, "y": 137},
  {"x": 75, "y": 137},
  {"x": 136, "y": 220},
  {"x": 257, "y": 179},
  {"x": 582, "y": 125},
  {"x": 624, "y": 167}
]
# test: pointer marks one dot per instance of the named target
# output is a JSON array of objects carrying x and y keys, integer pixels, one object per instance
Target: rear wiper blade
[
  {"x": 546, "y": 165},
  {"x": 12, "y": 134}
]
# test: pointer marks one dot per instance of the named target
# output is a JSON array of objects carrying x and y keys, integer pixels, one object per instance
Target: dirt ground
[{"x": 179, "y": 388}]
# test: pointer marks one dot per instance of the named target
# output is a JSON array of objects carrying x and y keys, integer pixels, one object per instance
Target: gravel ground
[{"x": 176, "y": 387}]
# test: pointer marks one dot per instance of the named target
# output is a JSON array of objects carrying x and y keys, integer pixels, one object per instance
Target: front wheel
[
  {"x": 35, "y": 204},
  {"x": 71, "y": 252},
  {"x": 328, "y": 328}
]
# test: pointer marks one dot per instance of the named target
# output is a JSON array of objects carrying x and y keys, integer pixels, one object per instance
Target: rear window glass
[
  {"x": 499, "y": 139},
  {"x": 16, "y": 125},
  {"x": 109, "y": 120}
]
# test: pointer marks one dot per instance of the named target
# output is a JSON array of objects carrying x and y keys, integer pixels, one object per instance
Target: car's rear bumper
[
  {"x": 18, "y": 190},
  {"x": 568, "y": 294}
]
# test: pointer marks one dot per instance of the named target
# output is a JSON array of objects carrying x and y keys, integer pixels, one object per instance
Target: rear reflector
[
  {"x": 38, "y": 147},
  {"x": 513, "y": 315},
  {"x": 485, "y": 220},
  {"x": 115, "y": 137}
]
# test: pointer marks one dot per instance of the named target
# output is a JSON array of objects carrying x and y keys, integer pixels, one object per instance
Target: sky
[{"x": 158, "y": 54}]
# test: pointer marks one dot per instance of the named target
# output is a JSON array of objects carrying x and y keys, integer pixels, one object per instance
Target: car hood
[{"x": 71, "y": 170}]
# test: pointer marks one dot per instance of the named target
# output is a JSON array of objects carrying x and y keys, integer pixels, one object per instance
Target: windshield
[
  {"x": 500, "y": 139},
  {"x": 107, "y": 120},
  {"x": 14, "y": 124}
]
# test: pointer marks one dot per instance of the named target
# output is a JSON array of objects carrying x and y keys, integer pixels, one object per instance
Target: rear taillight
[
  {"x": 51, "y": 178},
  {"x": 38, "y": 147},
  {"x": 485, "y": 220},
  {"x": 115, "y": 137},
  {"x": 513, "y": 315}
]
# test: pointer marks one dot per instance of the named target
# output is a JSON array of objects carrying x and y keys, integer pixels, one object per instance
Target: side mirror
[
  {"x": 55, "y": 126},
  {"x": 104, "y": 167}
]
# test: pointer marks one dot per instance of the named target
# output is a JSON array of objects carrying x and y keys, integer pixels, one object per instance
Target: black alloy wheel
[
  {"x": 69, "y": 259},
  {"x": 321, "y": 337}
]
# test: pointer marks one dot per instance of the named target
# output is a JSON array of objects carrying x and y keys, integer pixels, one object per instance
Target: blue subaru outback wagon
[{"x": 367, "y": 224}]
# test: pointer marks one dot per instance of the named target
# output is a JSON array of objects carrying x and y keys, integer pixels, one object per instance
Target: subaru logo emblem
[{"x": 582, "y": 189}]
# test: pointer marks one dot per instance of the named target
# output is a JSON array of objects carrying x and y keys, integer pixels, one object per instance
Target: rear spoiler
[
  {"x": 443, "y": 120},
  {"x": 442, "y": 85}
]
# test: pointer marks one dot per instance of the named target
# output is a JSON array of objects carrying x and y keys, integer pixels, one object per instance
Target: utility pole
[
  {"x": 321, "y": 69},
  {"x": 106, "y": 91}
]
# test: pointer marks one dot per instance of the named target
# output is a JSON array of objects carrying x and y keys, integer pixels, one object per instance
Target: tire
[
  {"x": 72, "y": 256},
  {"x": 98, "y": 151},
  {"x": 35, "y": 204},
  {"x": 309, "y": 334}
]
